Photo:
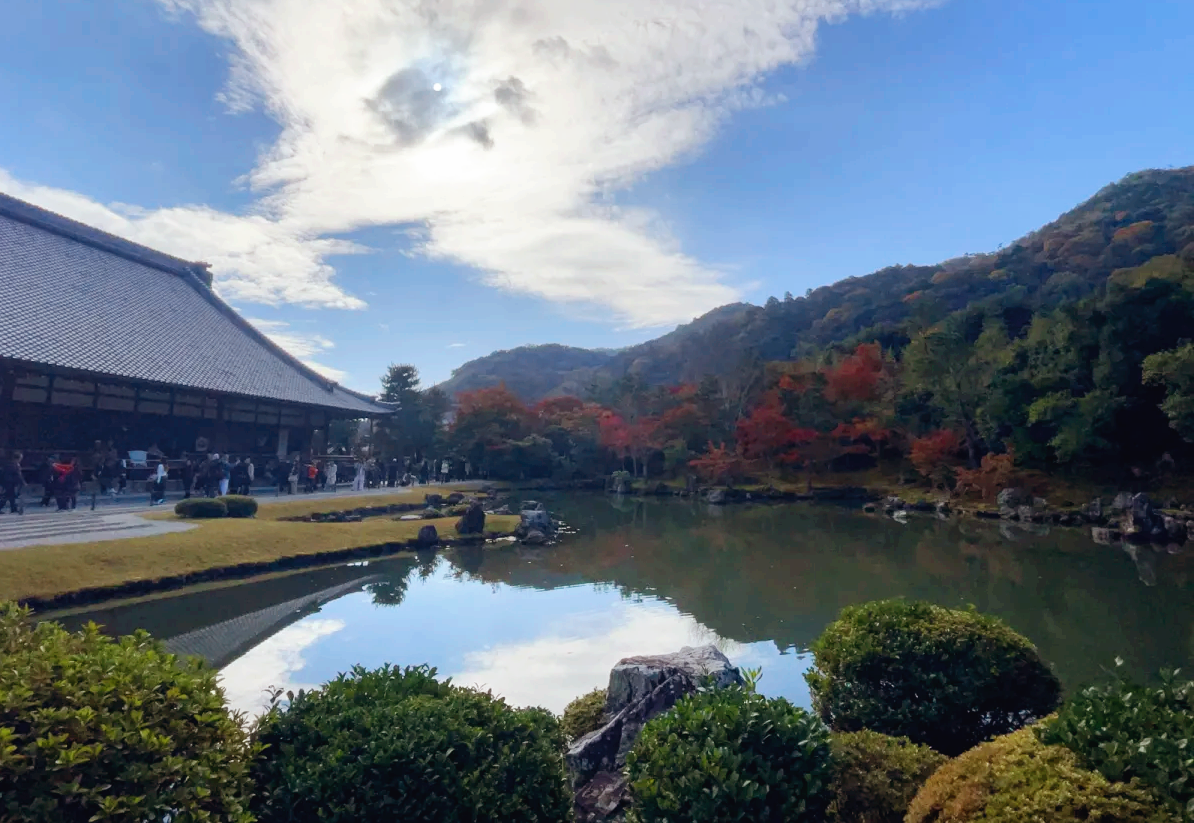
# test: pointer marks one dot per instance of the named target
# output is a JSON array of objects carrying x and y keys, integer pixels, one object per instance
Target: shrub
[
  {"x": 239, "y": 505},
  {"x": 1124, "y": 730},
  {"x": 730, "y": 754},
  {"x": 875, "y": 776},
  {"x": 948, "y": 679},
  {"x": 201, "y": 507},
  {"x": 396, "y": 744},
  {"x": 1016, "y": 778},
  {"x": 584, "y": 714},
  {"x": 93, "y": 728},
  {"x": 431, "y": 514}
]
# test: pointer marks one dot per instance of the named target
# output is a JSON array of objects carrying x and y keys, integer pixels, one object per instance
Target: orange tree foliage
[
  {"x": 995, "y": 472},
  {"x": 936, "y": 454},
  {"x": 494, "y": 413},
  {"x": 859, "y": 377},
  {"x": 766, "y": 434},
  {"x": 718, "y": 465}
]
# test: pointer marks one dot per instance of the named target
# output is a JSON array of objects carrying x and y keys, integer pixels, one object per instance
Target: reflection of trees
[
  {"x": 391, "y": 589},
  {"x": 781, "y": 573}
]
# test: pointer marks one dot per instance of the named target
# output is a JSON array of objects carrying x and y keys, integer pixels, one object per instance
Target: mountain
[{"x": 1144, "y": 215}]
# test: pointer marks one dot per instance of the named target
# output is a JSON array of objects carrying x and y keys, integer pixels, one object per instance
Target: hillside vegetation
[{"x": 1146, "y": 215}]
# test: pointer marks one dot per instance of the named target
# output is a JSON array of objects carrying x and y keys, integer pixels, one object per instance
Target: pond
[{"x": 541, "y": 626}]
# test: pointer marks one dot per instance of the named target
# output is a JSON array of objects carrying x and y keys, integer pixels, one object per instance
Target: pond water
[{"x": 541, "y": 626}]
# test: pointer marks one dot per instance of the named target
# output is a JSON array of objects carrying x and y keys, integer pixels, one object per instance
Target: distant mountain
[{"x": 1146, "y": 214}]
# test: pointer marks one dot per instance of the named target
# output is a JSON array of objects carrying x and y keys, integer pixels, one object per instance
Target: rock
[
  {"x": 1171, "y": 503},
  {"x": 640, "y": 688},
  {"x": 1040, "y": 503},
  {"x": 532, "y": 506},
  {"x": 1175, "y": 530},
  {"x": 1093, "y": 512},
  {"x": 428, "y": 536},
  {"x": 501, "y": 510},
  {"x": 1105, "y": 536},
  {"x": 943, "y": 507},
  {"x": 534, "y": 537},
  {"x": 1146, "y": 522},
  {"x": 869, "y": 508},
  {"x": 1122, "y": 502},
  {"x": 535, "y": 519},
  {"x": 472, "y": 521},
  {"x": 1012, "y": 497},
  {"x": 894, "y": 503},
  {"x": 454, "y": 498},
  {"x": 619, "y": 483},
  {"x": 411, "y": 517},
  {"x": 603, "y": 798},
  {"x": 431, "y": 514},
  {"x": 433, "y": 501},
  {"x": 661, "y": 489},
  {"x": 1008, "y": 513},
  {"x": 716, "y": 496}
]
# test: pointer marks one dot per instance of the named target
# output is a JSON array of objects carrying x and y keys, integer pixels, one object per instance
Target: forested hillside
[{"x": 1145, "y": 215}]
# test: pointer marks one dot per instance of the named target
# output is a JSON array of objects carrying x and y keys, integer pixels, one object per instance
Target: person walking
[
  {"x": 45, "y": 477},
  {"x": 13, "y": 482},
  {"x": 158, "y": 495},
  {"x": 188, "y": 477},
  {"x": 312, "y": 476},
  {"x": 444, "y": 469},
  {"x": 250, "y": 474},
  {"x": 358, "y": 480},
  {"x": 66, "y": 484},
  {"x": 332, "y": 471},
  {"x": 292, "y": 479}
]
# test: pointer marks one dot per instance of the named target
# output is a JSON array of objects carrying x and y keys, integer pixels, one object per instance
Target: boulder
[
  {"x": 717, "y": 497},
  {"x": 869, "y": 508},
  {"x": 1040, "y": 503},
  {"x": 1104, "y": 535},
  {"x": 428, "y": 536},
  {"x": 454, "y": 498},
  {"x": 1175, "y": 530},
  {"x": 1012, "y": 497},
  {"x": 1026, "y": 514},
  {"x": 894, "y": 504},
  {"x": 640, "y": 688},
  {"x": 619, "y": 483},
  {"x": 1122, "y": 502},
  {"x": 411, "y": 517},
  {"x": 472, "y": 521},
  {"x": 433, "y": 501},
  {"x": 1093, "y": 512},
  {"x": 943, "y": 507},
  {"x": 532, "y": 506},
  {"x": 535, "y": 519},
  {"x": 534, "y": 537},
  {"x": 431, "y": 514},
  {"x": 1007, "y": 513}
]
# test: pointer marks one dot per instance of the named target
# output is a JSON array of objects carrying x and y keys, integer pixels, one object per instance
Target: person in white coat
[
  {"x": 358, "y": 482},
  {"x": 332, "y": 470},
  {"x": 159, "y": 485}
]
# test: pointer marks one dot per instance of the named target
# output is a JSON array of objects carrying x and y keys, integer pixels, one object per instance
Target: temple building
[{"x": 104, "y": 339}]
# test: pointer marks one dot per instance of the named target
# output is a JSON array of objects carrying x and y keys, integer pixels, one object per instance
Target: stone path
[{"x": 47, "y": 527}]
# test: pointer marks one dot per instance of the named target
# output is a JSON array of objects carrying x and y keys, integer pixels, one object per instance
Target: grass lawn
[{"x": 47, "y": 571}]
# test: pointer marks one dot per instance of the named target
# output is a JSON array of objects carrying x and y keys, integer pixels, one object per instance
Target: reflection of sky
[{"x": 532, "y": 647}]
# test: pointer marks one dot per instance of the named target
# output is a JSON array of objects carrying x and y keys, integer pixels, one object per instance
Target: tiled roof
[{"x": 78, "y": 298}]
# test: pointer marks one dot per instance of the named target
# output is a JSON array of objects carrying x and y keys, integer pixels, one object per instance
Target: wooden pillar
[
  {"x": 8, "y": 410},
  {"x": 221, "y": 438}
]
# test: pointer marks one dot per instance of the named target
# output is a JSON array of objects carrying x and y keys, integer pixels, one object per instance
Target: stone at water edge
[
  {"x": 473, "y": 520},
  {"x": 454, "y": 498},
  {"x": 433, "y": 501},
  {"x": 1122, "y": 502},
  {"x": 534, "y": 538},
  {"x": 716, "y": 497},
  {"x": 428, "y": 536},
  {"x": 640, "y": 688},
  {"x": 1093, "y": 512},
  {"x": 1012, "y": 497}
]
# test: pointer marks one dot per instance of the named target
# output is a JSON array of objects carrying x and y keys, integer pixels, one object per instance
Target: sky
[{"x": 426, "y": 181}]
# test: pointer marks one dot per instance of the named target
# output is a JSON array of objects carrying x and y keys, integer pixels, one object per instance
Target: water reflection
[{"x": 541, "y": 626}]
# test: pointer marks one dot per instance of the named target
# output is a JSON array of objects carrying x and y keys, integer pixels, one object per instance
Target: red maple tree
[{"x": 766, "y": 434}]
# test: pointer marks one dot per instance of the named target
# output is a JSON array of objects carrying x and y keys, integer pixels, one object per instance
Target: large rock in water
[
  {"x": 640, "y": 688},
  {"x": 428, "y": 536},
  {"x": 473, "y": 520}
]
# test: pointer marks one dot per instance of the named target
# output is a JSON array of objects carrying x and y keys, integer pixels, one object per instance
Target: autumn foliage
[
  {"x": 995, "y": 472},
  {"x": 936, "y": 454}
]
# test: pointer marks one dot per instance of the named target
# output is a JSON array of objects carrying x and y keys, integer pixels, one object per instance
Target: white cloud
[
  {"x": 273, "y": 664},
  {"x": 303, "y": 345},
  {"x": 253, "y": 258},
  {"x": 494, "y": 132},
  {"x": 456, "y": 345}
]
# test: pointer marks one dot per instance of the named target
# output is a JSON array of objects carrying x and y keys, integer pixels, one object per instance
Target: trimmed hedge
[
  {"x": 240, "y": 505},
  {"x": 1126, "y": 731},
  {"x": 945, "y": 678},
  {"x": 1016, "y": 778},
  {"x": 584, "y": 714},
  {"x": 875, "y": 776},
  {"x": 730, "y": 755},
  {"x": 397, "y": 744},
  {"x": 201, "y": 507},
  {"x": 94, "y": 728}
]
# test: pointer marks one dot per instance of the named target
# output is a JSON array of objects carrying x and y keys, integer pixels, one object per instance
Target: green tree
[{"x": 1174, "y": 369}]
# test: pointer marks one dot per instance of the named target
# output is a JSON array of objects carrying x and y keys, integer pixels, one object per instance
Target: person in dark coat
[
  {"x": 188, "y": 477},
  {"x": 240, "y": 477},
  {"x": 67, "y": 479},
  {"x": 45, "y": 478},
  {"x": 12, "y": 481}
]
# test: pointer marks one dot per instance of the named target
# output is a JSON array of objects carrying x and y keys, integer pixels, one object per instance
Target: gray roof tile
[{"x": 75, "y": 297}]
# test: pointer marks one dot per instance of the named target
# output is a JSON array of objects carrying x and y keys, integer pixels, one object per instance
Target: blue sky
[{"x": 588, "y": 172}]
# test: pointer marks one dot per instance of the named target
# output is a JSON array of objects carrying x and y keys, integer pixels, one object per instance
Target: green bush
[
  {"x": 431, "y": 514},
  {"x": 1017, "y": 779},
  {"x": 1125, "y": 730},
  {"x": 396, "y": 744},
  {"x": 457, "y": 510},
  {"x": 93, "y": 728},
  {"x": 239, "y": 505},
  {"x": 201, "y": 507},
  {"x": 584, "y": 714},
  {"x": 730, "y": 755},
  {"x": 875, "y": 776},
  {"x": 948, "y": 679}
]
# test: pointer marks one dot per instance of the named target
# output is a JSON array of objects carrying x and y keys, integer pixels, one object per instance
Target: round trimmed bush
[
  {"x": 584, "y": 714},
  {"x": 876, "y": 776},
  {"x": 945, "y": 678},
  {"x": 1126, "y": 730},
  {"x": 95, "y": 728},
  {"x": 1016, "y": 778},
  {"x": 397, "y": 744},
  {"x": 201, "y": 507},
  {"x": 239, "y": 505},
  {"x": 730, "y": 755}
]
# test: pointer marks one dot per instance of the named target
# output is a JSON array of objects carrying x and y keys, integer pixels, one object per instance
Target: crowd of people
[{"x": 215, "y": 475}]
